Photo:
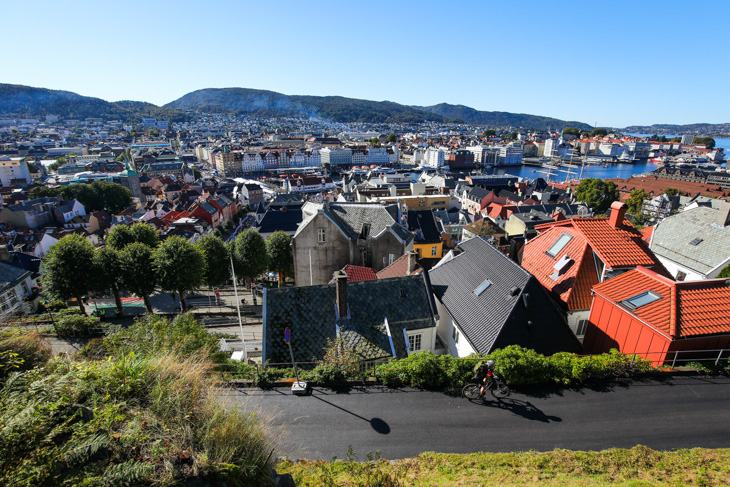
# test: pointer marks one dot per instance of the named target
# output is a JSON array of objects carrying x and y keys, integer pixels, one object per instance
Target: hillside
[
  {"x": 27, "y": 102},
  {"x": 501, "y": 119},
  {"x": 705, "y": 129},
  {"x": 264, "y": 103}
]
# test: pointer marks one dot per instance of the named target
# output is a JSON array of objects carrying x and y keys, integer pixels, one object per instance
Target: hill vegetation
[
  {"x": 501, "y": 119},
  {"x": 261, "y": 103},
  {"x": 28, "y": 102}
]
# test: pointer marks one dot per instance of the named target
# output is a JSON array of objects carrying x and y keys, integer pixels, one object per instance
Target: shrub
[
  {"x": 155, "y": 419},
  {"x": 28, "y": 349},
  {"x": 74, "y": 324}
]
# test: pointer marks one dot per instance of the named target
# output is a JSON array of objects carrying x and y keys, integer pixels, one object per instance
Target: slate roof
[
  {"x": 10, "y": 276},
  {"x": 287, "y": 221},
  {"x": 423, "y": 224},
  {"x": 350, "y": 218},
  {"x": 309, "y": 312},
  {"x": 500, "y": 315},
  {"x": 477, "y": 194},
  {"x": 686, "y": 309},
  {"x": 672, "y": 237}
]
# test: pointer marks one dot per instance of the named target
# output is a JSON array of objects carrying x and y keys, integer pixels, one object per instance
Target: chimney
[
  {"x": 412, "y": 261},
  {"x": 723, "y": 219},
  {"x": 341, "y": 289},
  {"x": 618, "y": 212}
]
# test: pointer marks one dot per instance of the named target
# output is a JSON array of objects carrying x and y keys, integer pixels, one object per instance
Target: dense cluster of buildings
[{"x": 397, "y": 238}]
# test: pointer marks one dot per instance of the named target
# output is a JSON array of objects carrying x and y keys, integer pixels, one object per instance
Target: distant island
[{"x": 707, "y": 129}]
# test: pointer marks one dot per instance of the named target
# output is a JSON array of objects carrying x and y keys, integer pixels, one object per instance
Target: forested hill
[
  {"x": 502, "y": 119},
  {"x": 28, "y": 102},
  {"x": 264, "y": 103}
]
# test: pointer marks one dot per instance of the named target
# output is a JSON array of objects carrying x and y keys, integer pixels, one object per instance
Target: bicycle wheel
[
  {"x": 500, "y": 390},
  {"x": 470, "y": 391}
]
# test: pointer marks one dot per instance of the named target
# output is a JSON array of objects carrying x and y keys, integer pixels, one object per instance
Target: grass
[
  {"x": 639, "y": 466},
  {"x": 142, "y": 409}
]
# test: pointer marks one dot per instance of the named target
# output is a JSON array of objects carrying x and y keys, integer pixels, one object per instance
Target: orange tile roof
[
  {"x": 538, "y": 263},
  {"x": 398, "y": 268},
  {"x": 617, "y": 247},
  {"x": 646, "y": 233},
  {"x": 692, "y": 308},
  {"x": 359, "y": 273}
]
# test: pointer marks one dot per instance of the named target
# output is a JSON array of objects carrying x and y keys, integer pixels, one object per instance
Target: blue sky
[{"x": 612, "y": 63}]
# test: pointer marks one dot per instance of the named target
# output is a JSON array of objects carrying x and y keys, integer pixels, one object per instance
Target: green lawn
[{"x": 639, "y": 466}]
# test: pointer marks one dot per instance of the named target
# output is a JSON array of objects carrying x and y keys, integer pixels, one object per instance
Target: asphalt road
[{"x": 681, "y": 412}]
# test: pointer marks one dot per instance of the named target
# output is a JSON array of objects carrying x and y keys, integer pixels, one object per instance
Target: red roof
[
  {"x": 646, "y": 233},
  {"x": 399, "y": 268},
  {"x": 358, "y": 273},
  {"x": 573, "y": 286},
  {"x": 685, "y": 309}
]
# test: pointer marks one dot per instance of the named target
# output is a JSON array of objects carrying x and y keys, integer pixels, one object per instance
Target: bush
[
  {"x": 517, "y": 365},
  {"x": 22, "y": 350},
  {"x": 74, "y": 324}
]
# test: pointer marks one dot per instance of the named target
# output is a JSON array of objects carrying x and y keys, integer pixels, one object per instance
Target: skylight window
[
  {"x": 696, "y": 241},
  {"x": 559, "y": 244},
  {"x": 641, "y": 300},
  {"x": 482, "y": 287}
]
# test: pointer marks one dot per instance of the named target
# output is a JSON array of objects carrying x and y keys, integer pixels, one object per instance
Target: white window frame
[
  {"x": 434, "y": 251},
  {"x": 391, "y": 258},
  {"x": 321, "y": 235},
  {"x": 415, "y": 342}
]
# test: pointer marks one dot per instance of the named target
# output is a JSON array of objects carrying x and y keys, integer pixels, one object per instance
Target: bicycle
[{"x": 499, "y": 390}]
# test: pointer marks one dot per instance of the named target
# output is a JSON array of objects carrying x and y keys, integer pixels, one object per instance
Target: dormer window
[
  {"x": 559, "y": 245},
  {"x": 640, "y": 300}
]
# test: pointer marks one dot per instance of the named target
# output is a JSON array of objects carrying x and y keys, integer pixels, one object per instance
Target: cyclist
[{"x": 484, "y": 372}]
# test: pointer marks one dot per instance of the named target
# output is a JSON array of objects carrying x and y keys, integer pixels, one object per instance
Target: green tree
[
  {"x": 725, "y": 272},
  {"x": 489, "y": 133},
  {"x": 139, "y": 275},
  {"x": 597, "y": 194},
  {"x": 107, "y": 274},
  {"x": 217, "y": 260},
  {"x": 374, "y": 141},
  {"x": 599, "y": 132},
  {"x": 708, "y": 142},
  {"x": 119, "y": 237},
  {"x": 672, "y": 192},
  {"x": 571, "y": 131},
  {"x": 67, "y": 269},
  {"x": 635, "y": 202},
  {"x": 145, "y": 233},
  {"x": 180, "y": 266},
  {"x": 392, "y": 138},
  {"x": 250, "y": 258},
  {"x": 279, "y": 252}
]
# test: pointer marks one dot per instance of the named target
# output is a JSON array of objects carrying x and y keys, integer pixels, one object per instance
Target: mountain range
[{"x": 26, "y": 102}]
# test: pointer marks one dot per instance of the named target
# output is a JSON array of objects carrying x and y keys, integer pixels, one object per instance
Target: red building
[{"x": 654, "y": 317}]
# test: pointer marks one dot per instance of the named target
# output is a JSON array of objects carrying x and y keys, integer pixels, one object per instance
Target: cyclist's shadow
[{"x": 522, "y": 408}]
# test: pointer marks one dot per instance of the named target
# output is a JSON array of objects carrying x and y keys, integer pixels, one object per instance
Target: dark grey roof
[
  {"x": 287, "y": 221},
  {"x": 498, "y": 316},
  {"x": 10, "y": 276},
  {"x": 310, "y": 313},
  {"x": 209, "y": 208},
  {"x": 423, "y": 224},
  {"x": 478, "y": 193},
  {"x": 350, "y": 217}
]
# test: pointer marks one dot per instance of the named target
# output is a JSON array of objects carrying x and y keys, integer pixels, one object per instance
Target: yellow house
[{"x": 428, "y": 242}]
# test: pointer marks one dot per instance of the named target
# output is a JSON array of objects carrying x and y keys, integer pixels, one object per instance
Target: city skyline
[{"x": 630, "y": 64}]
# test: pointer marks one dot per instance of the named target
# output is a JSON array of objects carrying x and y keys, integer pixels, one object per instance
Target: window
[
  {"x": 365, "y": 231},
  {"x": 580, "y": 330},
  {"x": 24, "y": 286},
  {"x": 434, "y": 251},
  {"x": 696, "y": 241},
  {"x": 320, "y": 235},
  {"x": 482, "y": 287},
  {"x": 681, "y": 276},
  {"x": 641, "y": 300},
  {"x": 414, "y": 342},
  {"x": 559, "y": 244},
  {"x": 455, "y": 335},
  {"x": 391, "y": 258}
]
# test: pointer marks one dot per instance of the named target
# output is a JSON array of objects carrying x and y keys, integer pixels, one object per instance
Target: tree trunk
[
  {"x": 148, "y": 304},
  {"x": 81, "y": 305},
  {"x": 118, "y": 300}
]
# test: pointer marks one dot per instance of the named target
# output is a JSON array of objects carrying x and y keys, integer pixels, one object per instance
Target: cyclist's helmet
[{"x": 490, "y": 363}]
